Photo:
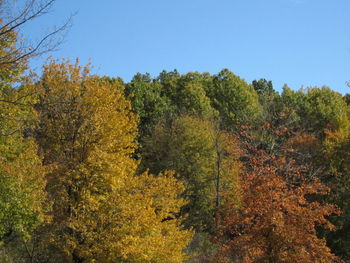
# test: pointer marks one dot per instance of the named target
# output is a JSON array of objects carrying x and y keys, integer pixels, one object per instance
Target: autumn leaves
[
  {"x": 102, "y": 210},
  {"x": 96, "y": 170},
  {"x": 194, "y": 167}
]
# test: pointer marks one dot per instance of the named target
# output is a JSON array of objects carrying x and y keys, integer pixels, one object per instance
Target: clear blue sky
[{"x": 298, "y": 42}]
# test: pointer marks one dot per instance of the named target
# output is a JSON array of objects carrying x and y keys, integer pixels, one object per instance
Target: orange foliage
[{"x": 274, "y": 221}]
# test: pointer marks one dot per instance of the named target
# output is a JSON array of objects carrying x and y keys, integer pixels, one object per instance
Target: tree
[
  {"x": 15, "y": 52},
  {"x": 268, "y": 99},
  {"x": 235, "y": 100},
  {"x": 274, "y": 221},
  {"x": 147, "y": 101},
  {"x": 320, "y": 108},
  {"x": 144, "y": 224},
  {"x": 102, "y": 211},
  {"x": 337, "y": 154},
  {"x": 205, "y": 159},
  {"x": 22, "y": 175},
  {"x": 187, "y": 147},
  {"x": 346, "y": 98},
  {"x": 22, "y": 195},
  {"x": 191, "y": 97},
  {"x": 262, "y": 86}
]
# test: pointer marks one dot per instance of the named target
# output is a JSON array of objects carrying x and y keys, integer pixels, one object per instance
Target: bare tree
[{"x": 13, "y": 17}]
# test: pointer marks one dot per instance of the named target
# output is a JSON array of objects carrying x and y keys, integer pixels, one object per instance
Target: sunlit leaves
[{"x": 102, "y": 211}]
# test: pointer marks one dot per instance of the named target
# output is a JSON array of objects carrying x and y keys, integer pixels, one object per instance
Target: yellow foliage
[
  {"x": 103, "y": 212},
  {"x": 139, "y": 223}
]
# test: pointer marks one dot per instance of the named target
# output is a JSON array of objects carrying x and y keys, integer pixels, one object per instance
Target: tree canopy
[{"x": 193, "y": 167}]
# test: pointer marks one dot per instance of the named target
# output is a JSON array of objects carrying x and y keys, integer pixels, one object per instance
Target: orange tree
[{"x": 274, "y": 221}]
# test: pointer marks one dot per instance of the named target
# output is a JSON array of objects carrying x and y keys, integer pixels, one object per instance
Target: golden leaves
[{"x": 106, "y": 212}]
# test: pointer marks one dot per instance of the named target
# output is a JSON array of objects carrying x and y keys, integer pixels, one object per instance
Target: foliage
[
  {"x": 235, "y": 100},
  {"x": 275, "y": 221},
  {"x": 22, "y": 175},
  {"x": 192, "y": 146},
  {"x": 87, "y": 132},
  {"x": 346, "y": 98},
  {"x": 320, "y": 108},
  {"x": 147, "y": 101},
  {"x": 103, "y": 211},
  {"x": 269, "y": 99},
  {"x": 71, "y": 188},
  {"x": 186, "y": 146},
  {"x": 191, "y": 97},
  {"x": 9, "y": 72},
  {"x": 21, "y": 188},
  {"x": 337, "y": 155}
]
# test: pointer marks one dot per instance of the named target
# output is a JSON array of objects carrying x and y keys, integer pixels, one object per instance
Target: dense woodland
[{"x": 194, "y": 167}]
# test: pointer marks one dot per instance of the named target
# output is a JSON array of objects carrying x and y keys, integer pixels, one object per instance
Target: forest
[{"x": 192, "y": 168}]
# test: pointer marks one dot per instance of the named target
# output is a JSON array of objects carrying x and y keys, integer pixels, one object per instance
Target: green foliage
[
  {"x": 320, "y": 109},
  {"x": 22, "y": 175},
  {"x": 191, "y": 146},
  {"x": 235, "y": 100},
  {"x": 326, "y": 109},
  {"x": 269, "y": 99},
  {"x": 191, "y": 96},
  {"x": 21, "y": 188},
  {"x": 293, "y": 103},
  {"x": 346, "y": 98},
  {"x": 263, "y": 87},
  {"x": 186, "y": 147},
  {"x": 337, "y": 154},
  {"x": 168, "y": 80},
  {"x": 147, "y": 101}
]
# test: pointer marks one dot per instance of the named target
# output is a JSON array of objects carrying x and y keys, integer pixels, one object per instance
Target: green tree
[
  {"x": 168, "y": 80},
  {"x": 320, "y": 108},
  {"x": 268, "y": 98},
  {"x": 187, "y": 147},
  {"x": 236, "y": 101},
  {"x": 191, "y": 97},
  {"x": 326, "y": 109},
  {"x": 147, "y": 101},
  {"x": 22, "y": 176},
  {"x": 187, "y": 93},
  {"x": 346, "y": 98},
  {"x": 337, "y": 155},
  {"x": 204, "y": 158}
]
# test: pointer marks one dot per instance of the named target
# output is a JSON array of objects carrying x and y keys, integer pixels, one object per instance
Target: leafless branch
[
  {"x": 36, "y": 50},
  {"x": 31, "y": 10}
]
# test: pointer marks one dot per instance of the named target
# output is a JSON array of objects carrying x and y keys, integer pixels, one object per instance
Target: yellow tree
[{"x": 102, "y": 211}]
